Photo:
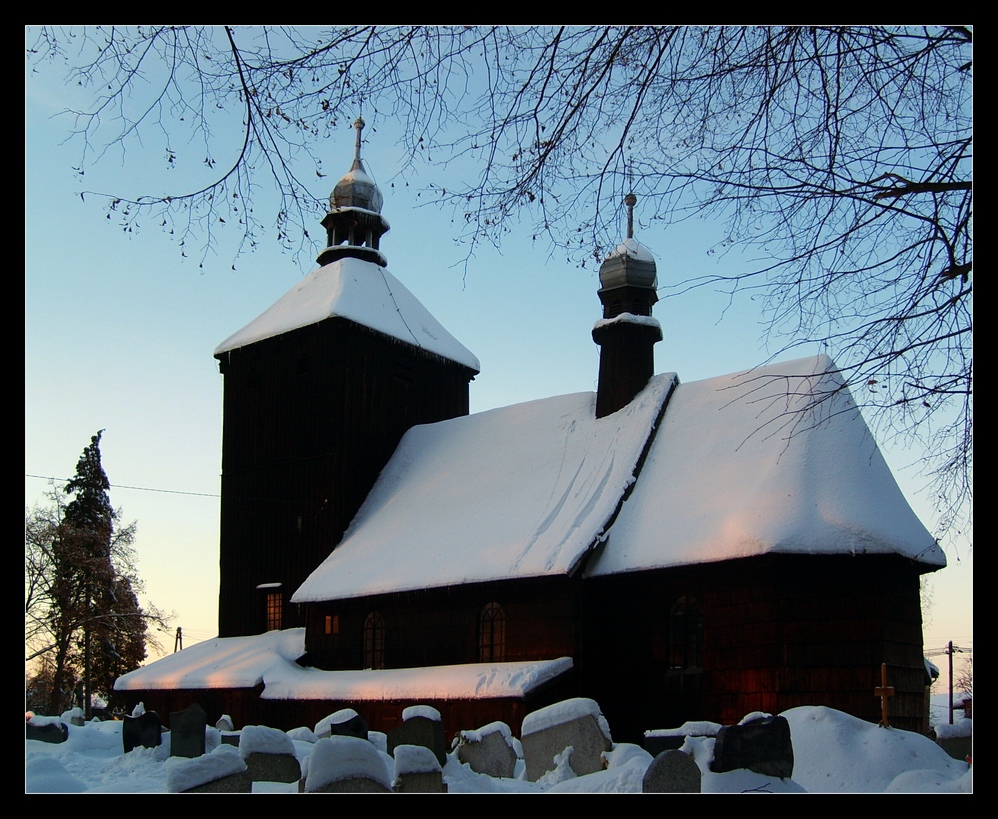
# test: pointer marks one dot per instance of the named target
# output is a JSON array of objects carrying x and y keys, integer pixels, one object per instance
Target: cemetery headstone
[
  {"x": 762, "y": 745},
  {"x": 488, "y": 750},
  {"x": 421, "y": 726},
  {"x": 49, "y": 732},
  {"x": 547, "y": 732},
  {"x": 417, "y": 771},
  {"x": 346, "y": 765},
  {"x": 142, "y": 730},
  {"x": 672, "y": 772},
  {"x": 187, "y": 731},
  {"x": 344, "y": 723}
]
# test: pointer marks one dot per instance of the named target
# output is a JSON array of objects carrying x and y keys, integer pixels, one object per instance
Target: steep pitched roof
[
  {"x": 364, "y": 293},
  {"x": 522, "y": 491},
  {"x": 777, "y": 459},
  {"x": 772, "y": 460}
]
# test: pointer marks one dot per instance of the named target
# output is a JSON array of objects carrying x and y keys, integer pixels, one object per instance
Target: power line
[{"x": 51, "y": 478}]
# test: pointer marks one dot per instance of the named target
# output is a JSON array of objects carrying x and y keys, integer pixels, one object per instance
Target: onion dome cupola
[
  {"x": 629, "y": 277},
  {"x": 627, "y": 333},
  {"x": 354, "y": 224}
]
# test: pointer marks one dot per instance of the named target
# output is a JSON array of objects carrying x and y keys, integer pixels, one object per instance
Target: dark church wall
[
  {"x": 766, "y": 634},
  {"x": 539, "y": 621},
  {"x": 310, "y": 419}
]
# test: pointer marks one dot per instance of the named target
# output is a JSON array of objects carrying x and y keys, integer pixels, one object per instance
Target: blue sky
[{"x": 120, "y": 329}]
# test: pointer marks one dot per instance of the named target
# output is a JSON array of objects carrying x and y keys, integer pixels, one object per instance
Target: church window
[
  {"x": 492, "y": 634},
  {"x": 374, "y": 641},
  {"x": 685, "y": 635},
  {"x": 332, "y": 624},
  {"x": 275, "y": 606}
]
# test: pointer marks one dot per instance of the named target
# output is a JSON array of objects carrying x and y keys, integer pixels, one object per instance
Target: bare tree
[{"x": 842, "y": 155}]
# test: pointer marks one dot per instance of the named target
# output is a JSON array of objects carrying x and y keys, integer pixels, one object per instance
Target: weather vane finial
[
  {"x": 630, "y": 200},
  {"x": 359, "y": 125}
]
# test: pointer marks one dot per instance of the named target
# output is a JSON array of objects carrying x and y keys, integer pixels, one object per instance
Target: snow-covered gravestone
[
  {"x": 489, "y": 750},
  {"x": 221, "y": 771},
  {"x": 346, "y": 765},
  {"x": 417, "y": 771},
  {"x": 576, "y": 723},
  {"x": 421, "y": 725},
  {"x": 269, "y": 755},
  {"x": 187, "y": 731},
  {"x": 344, "y": 723}
]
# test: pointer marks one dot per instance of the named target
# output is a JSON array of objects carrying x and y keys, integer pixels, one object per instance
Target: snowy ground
[{"x": 833, "y": 753}]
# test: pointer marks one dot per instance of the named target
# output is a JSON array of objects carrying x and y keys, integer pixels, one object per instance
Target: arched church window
[
  {"x": 492, "y": 634},
  {"x": 685, "y": 634},
  {"x": 374, "y": 641}
]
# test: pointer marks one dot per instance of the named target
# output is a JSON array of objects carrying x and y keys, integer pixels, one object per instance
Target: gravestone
[
  {"x": 269, "y": 755},
  {"x": 346, "y": 765},
  {"x": 49, "y": 732},
  {"x": 417, "y": 771},
  {"x": 487, "y": 751},
  {"x": 344, "y": 723},
  {"x": 273, "y": 768},
  {"x": 187, "y": 731},
  {"x": 762, "y": 746},
  {"x": 420, "y": 728},
  {"x": 546, "y": 733},
  {"x": 221, "y": 771},
  {"x": 672, "y": 772},
  {"x": 225, "y": 723},
  {"x": 142, "y": 730}
]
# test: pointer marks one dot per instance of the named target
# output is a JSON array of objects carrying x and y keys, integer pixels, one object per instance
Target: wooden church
[{"x": 675, "y": 551}]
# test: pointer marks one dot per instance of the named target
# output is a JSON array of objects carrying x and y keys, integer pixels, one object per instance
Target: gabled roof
[
  {"x": 776, "y": 459},
  {"x": 522, "y": 491},
  {"x": 364, "y": 293},
  {"x": 773, "y": 460}
]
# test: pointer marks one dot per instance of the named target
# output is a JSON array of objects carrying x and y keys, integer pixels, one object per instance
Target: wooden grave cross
[{"x": 884, "y": 691}]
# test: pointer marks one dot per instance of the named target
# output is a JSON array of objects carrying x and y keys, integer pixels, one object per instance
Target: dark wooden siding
[
  {"x": 778, "y": 632},
  {"x": 310, "y": 419},
  {"x": 440, "y": 626}
]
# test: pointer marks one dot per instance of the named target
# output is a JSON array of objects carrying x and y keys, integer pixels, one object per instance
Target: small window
[
  {"x": 492, "y": 634},
  {"x": 685, "y": 635},
  {"x": 332, "y": 624},
  {"x": 275, "y": 607},
  {"x": 374, "y": 641}
]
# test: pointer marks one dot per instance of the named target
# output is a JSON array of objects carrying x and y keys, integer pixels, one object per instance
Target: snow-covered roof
[
  {"x": 269, "y": 659},
  {"x": 773, "y": 460},
  {"x": 522, "y": 491},
  {"x": 364, "y": 293}
]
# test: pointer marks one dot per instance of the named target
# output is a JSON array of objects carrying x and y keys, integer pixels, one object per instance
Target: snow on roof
[
  {"x": 522, "y": 491},
  {"x": 269, "y": 658},
  {"x": 364, "y": 293},
  {"x": 752, "y": 463},
  {"x": 223, "y": 662}
]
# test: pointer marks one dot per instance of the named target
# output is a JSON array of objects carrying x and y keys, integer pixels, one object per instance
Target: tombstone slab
[
  {"x": 142, "y": 730},
  {"x": 762, "y": 746},
  {"x": 50, "y": 732},
  {"x": 547, "y": 732},
  {"x": 487, "y": 751},
  {"x": 419, "y": 730},
  {"x": 187, "y": 731},
  {"x": 672, "y": 771}
]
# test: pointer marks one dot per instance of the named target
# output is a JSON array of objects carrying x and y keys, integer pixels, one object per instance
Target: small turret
[
  {"x": 354, "y": 225},
  {"x": 627, "y": 333}
]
